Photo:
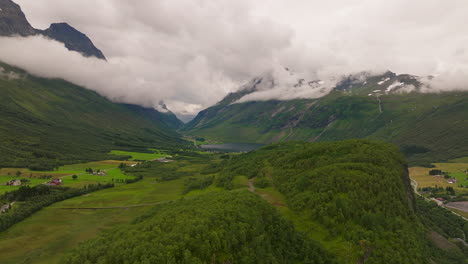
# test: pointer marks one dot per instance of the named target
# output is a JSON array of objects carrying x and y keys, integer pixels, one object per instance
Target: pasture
[
  {"x": 48, "y": 234},
  {"x": 455, "y": 170},
  {"x": 157, "y": 154}
]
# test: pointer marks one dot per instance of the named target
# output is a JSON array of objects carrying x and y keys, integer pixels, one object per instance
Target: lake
[{"x": 232, "y": 147}]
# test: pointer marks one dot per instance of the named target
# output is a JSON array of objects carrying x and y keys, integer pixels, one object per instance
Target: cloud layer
[{"x": 190, "y": 53}]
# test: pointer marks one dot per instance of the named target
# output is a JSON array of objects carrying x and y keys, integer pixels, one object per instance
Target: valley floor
[{"x": 48, "y": 235}]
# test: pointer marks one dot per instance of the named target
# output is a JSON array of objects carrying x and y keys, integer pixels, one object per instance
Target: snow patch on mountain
[
  {"x": 383, "y": 81},
  {"x": 282, "y": 84}
]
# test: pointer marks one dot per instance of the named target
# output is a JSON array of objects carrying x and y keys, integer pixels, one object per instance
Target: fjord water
[{"x": 233, "y": 147}]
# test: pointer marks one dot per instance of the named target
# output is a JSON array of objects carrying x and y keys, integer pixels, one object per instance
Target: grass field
[
  {"x": 157, "y": 154},
  {"x": 3, "y": 179},
  {"x": 46, "y": 235},
  {"x": 455, "y": 170},
  {"x": 66, "y": 172}
]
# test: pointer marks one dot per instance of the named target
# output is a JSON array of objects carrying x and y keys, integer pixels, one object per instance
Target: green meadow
[
  {"x": 48, "y": 234},
  {"x": 157, "y": 154}
]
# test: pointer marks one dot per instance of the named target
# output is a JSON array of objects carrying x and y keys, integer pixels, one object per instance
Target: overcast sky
[{"x": 191, "y": 53}]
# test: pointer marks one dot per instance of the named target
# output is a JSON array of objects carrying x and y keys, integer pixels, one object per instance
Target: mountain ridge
[
  {"x": 50, "y": 122},
  {"x": 390, "y": 107},
  {"x": 13, "y": 22}
]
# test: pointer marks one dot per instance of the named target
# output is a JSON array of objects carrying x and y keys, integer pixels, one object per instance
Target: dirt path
[
  {"x": 110, "y": 207},
  {"x": 251, "y": 186}
]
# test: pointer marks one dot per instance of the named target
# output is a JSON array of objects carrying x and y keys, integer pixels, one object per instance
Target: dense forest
[
  {"x": 218, "y": 227},
  {"x": 357, "y": 190}
]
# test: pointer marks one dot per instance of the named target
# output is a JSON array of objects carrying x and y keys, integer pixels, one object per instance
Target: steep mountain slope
[
  {"x": 13, "y": 22},
  {"x": 47, "y": 122},
  {"x": 428, "y": 126},
  {"x": 73, "y": 39}
]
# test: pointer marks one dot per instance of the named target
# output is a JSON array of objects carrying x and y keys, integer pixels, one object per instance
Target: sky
[{"x": 191, "y": 53}]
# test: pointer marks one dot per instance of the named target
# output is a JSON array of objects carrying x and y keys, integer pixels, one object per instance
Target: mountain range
[
  {"x": 389, "y": 107},
  {"x": 13, "y": 22}
]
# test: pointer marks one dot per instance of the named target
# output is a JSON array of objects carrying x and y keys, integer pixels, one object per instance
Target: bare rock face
[
  {"x": 13, "y": 21},
  {"x": 73, "y": 39}
]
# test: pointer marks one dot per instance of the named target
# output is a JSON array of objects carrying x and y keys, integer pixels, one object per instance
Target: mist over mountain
[
  {"x": 191, "y": 60},
  {"x": 13, "y": 22}
]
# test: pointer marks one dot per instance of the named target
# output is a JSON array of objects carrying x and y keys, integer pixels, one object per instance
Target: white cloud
[{"x": 190, "y": 53}]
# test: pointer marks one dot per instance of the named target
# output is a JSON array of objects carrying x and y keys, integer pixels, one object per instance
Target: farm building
[
  {"x": 100, "y": 173},
  {"x": 14, "y": 183},
  {"x": 55, "y": 182}
]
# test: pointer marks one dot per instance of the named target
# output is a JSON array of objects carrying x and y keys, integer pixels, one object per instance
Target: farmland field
[
  {"x": 48, "y": 234},
  {"x": 455, "y": 170},
  {"x": 65, "y": 173},
  {"x": 141, "y": 156},
  {"x": 43, "y": 237}
]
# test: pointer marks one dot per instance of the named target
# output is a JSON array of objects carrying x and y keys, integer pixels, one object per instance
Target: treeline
[
  {"x": 202, "y": 183},
  {"x": 442, "y": 220},
  {"x": 358, "y": 190},
  {"x": 35, "y": 198},
  {"x": 218, "y": 227},
  {"x": 167, "y": 171}
]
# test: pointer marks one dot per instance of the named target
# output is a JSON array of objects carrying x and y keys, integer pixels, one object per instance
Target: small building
[
  {"x": 163, "y": 160},
  {"x": 14, "y": 183},
  {"x": 452, "y": 181},
  {"x": 55, "y": 182}
]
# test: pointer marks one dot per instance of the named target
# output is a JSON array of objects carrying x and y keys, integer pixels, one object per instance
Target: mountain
[
  {"x": 14, "y": 22},
  {"x": 390, "y": 107},
  {"x": 48, "y": 122},
  {"x": 73, "y": 39}
]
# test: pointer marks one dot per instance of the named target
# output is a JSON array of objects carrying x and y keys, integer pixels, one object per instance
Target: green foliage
[
  {"x": 193, "y": 183},
  {"x": 442, "y": 220},
  {"x": 358, "y": 190},
  {"x": 219, "y": 227},
  {"x": 47, "y": 123},
  {"x": 35, "y": 198}
]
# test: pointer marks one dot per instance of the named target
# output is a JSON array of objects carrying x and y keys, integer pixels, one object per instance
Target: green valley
[
  {"x": 428, "y": 127},
  {"x": 343, "y": 202}
]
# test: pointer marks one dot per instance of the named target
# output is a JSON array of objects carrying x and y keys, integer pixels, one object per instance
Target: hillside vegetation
[
  {"x": 356, "y": 192},
  {"x": 427, "y": 126},
  {"x": 47, "y": 122},
  {"x": 220, "y": 227}
]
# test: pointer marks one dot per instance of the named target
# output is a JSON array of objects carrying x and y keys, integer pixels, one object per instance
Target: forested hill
[
  {"x": 343, "y": 202},
  {"x": 48, "y": 122},
  {"x": 353, "y": 196},
  {"x": 220, "y": 227},
  {"x": 427, "y": 126}
]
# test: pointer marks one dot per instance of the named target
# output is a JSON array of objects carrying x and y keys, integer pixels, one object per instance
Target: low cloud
[{"x": 192, "y": 53}]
